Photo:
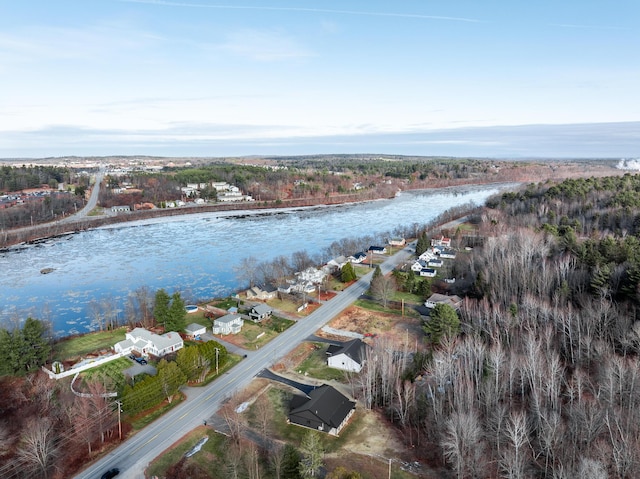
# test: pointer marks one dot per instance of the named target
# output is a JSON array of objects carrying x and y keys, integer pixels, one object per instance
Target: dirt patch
[{"x": 375, "y": 325}]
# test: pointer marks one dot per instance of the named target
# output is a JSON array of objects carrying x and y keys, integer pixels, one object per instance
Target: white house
[
  {"x": 454, "y": 301},
  {"x": 194, "y": 330},
  {"x": 358, "y": 257},
  {"x": 427, "y": 255},
  {"x": 335, "y": 264},
  {"x": 434, "y": 263},
  {"x": 448, "y": 253},
  {"x": 311, "y": 275},
  {"x": 397, "y": 242},
  {"x": 419, "y": 265},
  {"x": 147, "y": 343},
  {"x": 120, "y": 209},
  {"x": 428, "y": 272},
  {"x": 349, "y": 356},
  {"x": 378, "y": 249},
  {"x": 441, "y": 241},
  {"x": 228, "y": 324}
]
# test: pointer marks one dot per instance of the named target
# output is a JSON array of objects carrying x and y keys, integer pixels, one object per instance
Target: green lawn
[
  {"x": 226, "y": 303},
  {"x": 110, "y": 374},
  {"x": 71, "y": 348},
  {"x": 315, "y": 365}
]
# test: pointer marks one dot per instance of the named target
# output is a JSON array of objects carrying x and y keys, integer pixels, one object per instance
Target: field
[{"x": 72, "y": 348}]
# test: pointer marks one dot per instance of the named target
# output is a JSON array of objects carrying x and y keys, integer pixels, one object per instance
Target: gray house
[
  {"x": 325, "y": 409},
  {"x": 260, "y": 312}
]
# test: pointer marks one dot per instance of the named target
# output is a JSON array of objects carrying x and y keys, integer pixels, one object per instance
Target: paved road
[
  {"x": 135, "y": 454},
  {"x": 93, "y": 199}
]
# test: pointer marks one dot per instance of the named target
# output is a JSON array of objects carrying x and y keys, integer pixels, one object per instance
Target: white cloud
[{"x": 263, "y": 45}]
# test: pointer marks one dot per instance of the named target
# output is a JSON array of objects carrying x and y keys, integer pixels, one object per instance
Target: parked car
[
  {"x": 142, "y": 361},
  {"x": 111, "y": 473}
]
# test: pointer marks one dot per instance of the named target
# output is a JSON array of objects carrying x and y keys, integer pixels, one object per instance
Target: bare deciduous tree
[{"x": 37, "y": 446}]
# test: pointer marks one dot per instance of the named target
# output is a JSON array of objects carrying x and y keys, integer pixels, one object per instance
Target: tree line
[{"x": 542, "y": 378}]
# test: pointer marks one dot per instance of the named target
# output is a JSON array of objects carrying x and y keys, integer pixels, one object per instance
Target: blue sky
[{"x": 206, "y": 78}]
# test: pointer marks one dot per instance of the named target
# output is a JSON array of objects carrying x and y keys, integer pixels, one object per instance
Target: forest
[{"x": 542, "y": 378}]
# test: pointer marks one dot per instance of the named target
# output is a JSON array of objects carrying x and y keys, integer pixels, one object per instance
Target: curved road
[{"x": 134, "y": 455}]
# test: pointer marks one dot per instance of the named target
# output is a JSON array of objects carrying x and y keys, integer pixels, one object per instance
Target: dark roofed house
[
  {"x": 350, "y": 356},
  {"x": 359, "y": 257},
  {"x": 259, "y": 312},
  {"x": 325, "y": 410}
]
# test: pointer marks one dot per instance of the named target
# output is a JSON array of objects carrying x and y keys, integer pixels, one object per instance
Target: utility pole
[
  {"x": 119, "y": 422},
  {"x": 217, "y": 352},
  {"x": 389, "y": 468}
]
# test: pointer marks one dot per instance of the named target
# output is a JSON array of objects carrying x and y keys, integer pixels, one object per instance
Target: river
[{"x": 194, "y": 254}]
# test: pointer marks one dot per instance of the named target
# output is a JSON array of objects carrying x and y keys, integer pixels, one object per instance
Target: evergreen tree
[
  {"x": 376, "y": 273},
  {"x": 176, "y": 314},
  {"x": 347, "y": 274},
  {"x": 290, "y": 463},
  {"x": 36, "y": 344},
  {"x": 161, "y": 307},
  {"x": 422, "y": 244},
  {"x": 443, "y": 321},
  {"x": 24, "y": 350}
]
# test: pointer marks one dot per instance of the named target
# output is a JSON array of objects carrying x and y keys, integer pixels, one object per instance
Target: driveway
[
  {"x": 268, "y": 374},
  {"x": 137, "y": 369}
]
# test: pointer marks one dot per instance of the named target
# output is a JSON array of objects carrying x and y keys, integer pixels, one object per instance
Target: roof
[
  {"x": 227, "y": 318},
  {"x": 261, "y": 309},
  {"x": 327, "y": 404},
  {"x": 354, "y": 349},
  {"x": 193, "y": 327},
  {"x": 160, "y": 342}
]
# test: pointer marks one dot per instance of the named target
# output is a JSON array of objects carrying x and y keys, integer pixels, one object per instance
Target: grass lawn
[
  {"x": 248, "y": 337},
  {"x": 409, "y": 298},
  {"x": 315, "y": 365},
  {"x": 373, "y": 306},
  {"x": 361, "y": 270},
  {"x": 199, "y": 318},
  {"x": 286, "y": 306},
  {"x": 226, "y": 303},
  {"x": 109, "y": 374},
  {"x": 92, "y": 342}
]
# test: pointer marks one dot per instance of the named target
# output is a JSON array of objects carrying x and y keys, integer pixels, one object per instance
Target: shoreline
[
  {"x": 25, "y": 236},
  {"x": 19, "y": 238}
]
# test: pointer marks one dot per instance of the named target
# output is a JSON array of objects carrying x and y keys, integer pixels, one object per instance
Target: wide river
[{"x": 195, "y": 254}]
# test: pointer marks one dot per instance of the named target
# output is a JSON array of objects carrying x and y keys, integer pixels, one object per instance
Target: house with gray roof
[
  {"x": 146, "y": 343},
  {"x": 260, "y": 312},
  {"x": 228, "y": 324},
  {"x": 195, "y": 330},
  {"x": 349, "y": 356},
  {"x": 325, "y": 409}
]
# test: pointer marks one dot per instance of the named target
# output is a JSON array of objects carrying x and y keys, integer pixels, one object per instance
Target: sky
[{"x": 502, "y": 78}]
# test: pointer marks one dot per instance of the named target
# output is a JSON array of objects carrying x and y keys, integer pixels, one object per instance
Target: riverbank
[{"x": 38, "y": 233}]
